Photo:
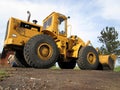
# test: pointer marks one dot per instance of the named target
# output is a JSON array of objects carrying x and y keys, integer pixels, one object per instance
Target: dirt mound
[{"x": 48, "y": 79}]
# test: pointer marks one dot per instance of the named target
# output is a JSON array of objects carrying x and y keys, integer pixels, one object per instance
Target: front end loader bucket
[{"x": 107, "y": 61}]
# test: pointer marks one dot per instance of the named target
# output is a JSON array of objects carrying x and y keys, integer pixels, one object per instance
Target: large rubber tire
[
  {"x": 19, "y": 59},
  {"x": 41, "y": 51},
  {"x": 100, "y": 66},
  {"x": 67, "y": 65},
  {"x": 88, "y": 58}
]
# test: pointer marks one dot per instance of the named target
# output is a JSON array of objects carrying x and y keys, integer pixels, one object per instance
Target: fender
[
  {"x": 49, "y": 33},
  {"x": 76, "y": 49}
]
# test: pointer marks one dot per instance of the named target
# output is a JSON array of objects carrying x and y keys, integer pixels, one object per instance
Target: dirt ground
[{"x": 49, "y": 79}]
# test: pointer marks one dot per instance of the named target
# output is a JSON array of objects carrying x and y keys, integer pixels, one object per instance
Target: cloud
[
  {"x": 88, "y": 18},
  {"x": 110, "y": 9}
]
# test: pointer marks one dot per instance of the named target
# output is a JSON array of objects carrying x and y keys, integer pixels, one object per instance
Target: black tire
[
  {"x": 100, "y": 66},
  {"x": 88, "y": 58},
  {"x": 67, "y": 65},
  {"x": 19, "y": 59},
  {"x": 41, "y": 51}
]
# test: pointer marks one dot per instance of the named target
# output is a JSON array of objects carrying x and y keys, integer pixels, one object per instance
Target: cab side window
[{"x": 61, "y": 26}]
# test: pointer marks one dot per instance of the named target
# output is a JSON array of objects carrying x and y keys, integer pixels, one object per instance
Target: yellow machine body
[
  {"x": 55, "y": 25},
  {"x": 108, "y": 60},
  {"x": 19, "y": 32}
]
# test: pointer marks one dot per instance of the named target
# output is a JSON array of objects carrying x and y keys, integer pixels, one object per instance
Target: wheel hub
[
  {"x": 91, "y": 57},
  {"x": 44, "y": 51}
]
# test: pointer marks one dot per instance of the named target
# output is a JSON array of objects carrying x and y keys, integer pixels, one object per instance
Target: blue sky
[{"x": 88, "y": 17}]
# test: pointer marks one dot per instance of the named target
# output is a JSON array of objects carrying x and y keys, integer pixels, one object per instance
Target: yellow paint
[{"x": 19, "y": 32}]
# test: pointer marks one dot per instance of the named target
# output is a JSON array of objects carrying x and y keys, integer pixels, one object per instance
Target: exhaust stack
[{"x": 29, "y": 15}]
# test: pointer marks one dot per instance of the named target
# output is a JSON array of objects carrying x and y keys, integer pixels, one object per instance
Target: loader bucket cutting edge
[{"x": 107, "y": 61}]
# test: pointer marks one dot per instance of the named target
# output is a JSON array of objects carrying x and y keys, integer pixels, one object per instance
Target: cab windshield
[
  {"x": 47, "y": 23},
  {"x": 61, "y": 25}
]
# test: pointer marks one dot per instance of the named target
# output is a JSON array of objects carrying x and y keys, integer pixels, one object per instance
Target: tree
[{"x": 109, "y": 40}]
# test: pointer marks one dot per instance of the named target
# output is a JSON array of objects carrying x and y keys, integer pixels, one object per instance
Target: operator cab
[{"x": 56, "y": 23}]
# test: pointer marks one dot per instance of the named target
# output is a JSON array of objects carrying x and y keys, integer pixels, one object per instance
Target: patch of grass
[
  {"x": 117, "y": 69},
  {"x": 3, "y": 74},
  {"x": 76, "y": 68},
  {"x": 54, "y": 67}
]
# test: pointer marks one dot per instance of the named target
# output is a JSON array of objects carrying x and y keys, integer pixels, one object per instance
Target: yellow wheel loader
[{"x": 42, "y": 46}]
